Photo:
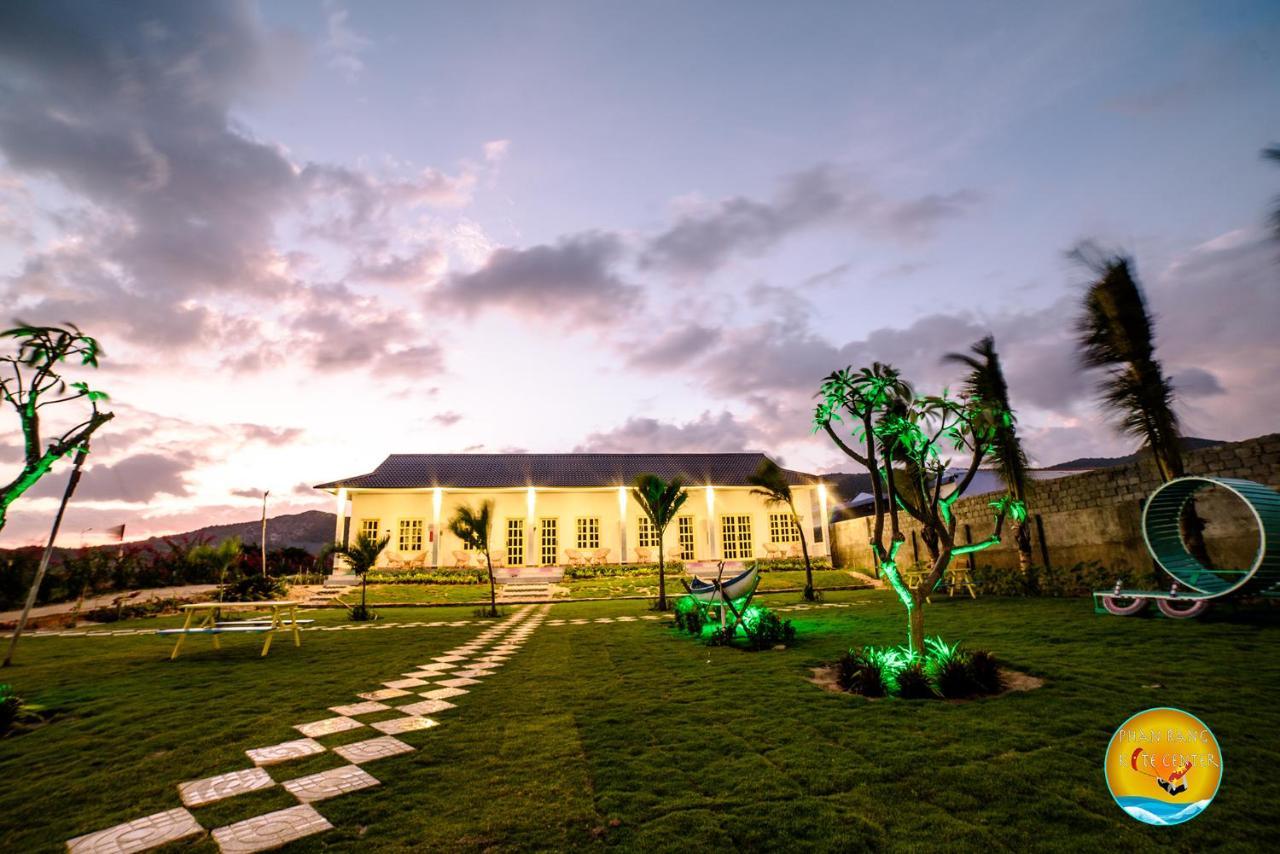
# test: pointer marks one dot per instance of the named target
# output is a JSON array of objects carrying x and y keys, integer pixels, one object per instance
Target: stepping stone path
[{"x": 280, "y": 827}]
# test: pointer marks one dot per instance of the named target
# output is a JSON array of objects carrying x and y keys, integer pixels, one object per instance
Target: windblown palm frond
[
  {"x": 473, "y": 526},
  {"x": 660, "y": 500},
  {"x": 987, "y": 384},
  {"x": 770, "y": 483}
]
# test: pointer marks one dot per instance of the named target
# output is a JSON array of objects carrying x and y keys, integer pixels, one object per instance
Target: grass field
[{"x": 630, "y": 735}]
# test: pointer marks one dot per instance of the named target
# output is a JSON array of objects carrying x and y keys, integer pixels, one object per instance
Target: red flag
[{"x": 116, "y": 533}]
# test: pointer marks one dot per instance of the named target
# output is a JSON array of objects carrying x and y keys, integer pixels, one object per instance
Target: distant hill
[
  {"x": 311, "y": 530},
  {"x": 1189, "y": 443}
]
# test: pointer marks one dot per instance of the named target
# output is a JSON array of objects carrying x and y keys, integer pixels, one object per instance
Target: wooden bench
[{"x": 203, "y": 618}]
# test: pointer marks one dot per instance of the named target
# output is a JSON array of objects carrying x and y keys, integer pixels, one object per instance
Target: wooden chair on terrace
[
  {"x": 773, "y": 551},
  {"x": 599, "y": 557},
  {"x": 498, "y": 557},
  {"x": 461, "y": 559},
  {"x": 644, "y": 554},
  {"x": 418, "y": 561},
  {"x": 573, "y": 557},
  {"x": 674, "y": 554},
  {"x": 395, "y": 560}
]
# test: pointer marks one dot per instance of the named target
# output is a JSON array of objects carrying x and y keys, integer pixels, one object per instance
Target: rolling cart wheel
[
  {"x": 1123, "y": 606},
  {"x": 1182, "y": 609}
]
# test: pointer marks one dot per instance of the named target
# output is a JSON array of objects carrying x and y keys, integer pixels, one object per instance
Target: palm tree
[
  {"x": 219, "y": 558},
  {"x": 1116, "y": 333},
  {"x": 473, "y": 527},
  {"x": 361, "y": 556},
  {"x": 986, "y": 383},
  {"x": 660, "y": 500},
  {"x": 771, "y": 484}
]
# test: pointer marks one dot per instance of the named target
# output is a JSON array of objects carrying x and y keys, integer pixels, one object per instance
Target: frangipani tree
[
  {"x": 902, "y": 439},
  {"x": 474, "y": 527},
  {"x": 660, "y": 500}
]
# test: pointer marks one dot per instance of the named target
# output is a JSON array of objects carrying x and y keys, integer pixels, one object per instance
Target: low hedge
[
  {"x": 791, "y": 564},
  {"x": 430, "y": 576},
  {"x": 607, "y": 570}
]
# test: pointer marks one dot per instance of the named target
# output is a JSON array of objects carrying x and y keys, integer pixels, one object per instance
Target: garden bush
[
  {"x": 253, "y": 588},
  {"x": 791, "y": 564},
  {"x": 861, "y": 674},
  {"x": 944, "y": 670},
  {"x": 10, "y": 705},
  {"x": 608, "y": 570},
  {"x": 985, "y": 672},
  {"x": 430, "y": 576}
]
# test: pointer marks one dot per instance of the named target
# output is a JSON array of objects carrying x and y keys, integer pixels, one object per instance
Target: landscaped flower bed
[
  {"x": 942, "y": 671},
  {"x": 430, "y": 576}
]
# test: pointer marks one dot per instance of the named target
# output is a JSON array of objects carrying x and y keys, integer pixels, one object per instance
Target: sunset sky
[{"x": 309, "y": 234}]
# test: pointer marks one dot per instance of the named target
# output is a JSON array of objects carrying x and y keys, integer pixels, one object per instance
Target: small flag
[{"x": 116, "y": 533}]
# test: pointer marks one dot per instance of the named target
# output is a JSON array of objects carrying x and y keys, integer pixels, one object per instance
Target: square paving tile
[
  {"x": 330, "y": 784},
  {"x": 445, "y": 659},
  {"x": 470, "y": 674},
  {"x": 396, "y": 726},
  {"x": 458, "y": 683},
  {"x": 372, "y": 749},
  {"x": 284, "y": 751},
  {"x": 194, "y": 793},
  {"x": 405, "y": 683},
  {"x": 384, "y": 694},
  {"x": 328, "y": 726},
  {"x": 368, "y": 707},
  {"x": 437, "y": 666},
  {"x": 443, "y": 693},
  {"x": 426, "y": 707},
  {"x": 138, "y": 835},
  {"x": 264, "y": 832}
]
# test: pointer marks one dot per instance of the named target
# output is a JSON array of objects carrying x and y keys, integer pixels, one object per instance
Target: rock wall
[{"x": 1097, "y": 515}]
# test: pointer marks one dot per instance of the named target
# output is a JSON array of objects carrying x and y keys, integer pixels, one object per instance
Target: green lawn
[{"x": 630, "y": 735}]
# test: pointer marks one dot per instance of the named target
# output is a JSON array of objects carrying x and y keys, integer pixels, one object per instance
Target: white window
[
  {"x": 685, "y": 527},
  {"x": 589, "y": 532},
  {"x": 369, "y": 528},
  {"x": 515, "y": 542},
  {"x": 735, "y": 534},
  {"x": 782, "y": 529},
  {"x": 550, "y": 541},
  {"x": 410, "y": 540},
  {"x": 648, "y": 537}
]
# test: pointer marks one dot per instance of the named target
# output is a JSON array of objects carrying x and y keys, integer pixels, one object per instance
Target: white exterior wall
[{"x": 389, "y": 507}]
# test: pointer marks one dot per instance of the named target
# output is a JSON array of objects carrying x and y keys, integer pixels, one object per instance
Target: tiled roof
[{"x": 480, "y": 471}]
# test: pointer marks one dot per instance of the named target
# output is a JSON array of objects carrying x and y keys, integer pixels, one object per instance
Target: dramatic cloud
[
  {"x": 136, "y": 479},
  {"x": 674, "y": 348},
  {"x": 573, "y": 280},
  {"x": 447, "y": 419},
  {"x": 701, "y": 242},
  {"x": 419, "y": 267},
  {"x": 1197, "y": 382},
  {"x": 270, "y": 435},
  {"x": 712, "y": 433}
]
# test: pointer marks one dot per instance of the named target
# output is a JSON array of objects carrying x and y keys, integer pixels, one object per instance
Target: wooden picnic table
[{"x": 204, "y": 618}]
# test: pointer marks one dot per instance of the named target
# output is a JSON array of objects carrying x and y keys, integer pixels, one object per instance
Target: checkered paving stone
[
  {"x": 328, "y": 726},
  {"x": 264, "y": 832},
  {"x": 471, "y": 674},
  {"x": 373, "y": 749},
  {"x": 395, "y": 726},
  {"x": 458, "y": 683},
  {"x": 445, "y": 659},
  {"x": 138, "y": 835},
  {"x": 384, "y": 694},
  {"x": 405, "y": 683},
  {"x": 196, "y": 793},
  {"x": 626, "y": 619},
  {"x": 330, "y": 784},
  {"x": 366, "y": 708},
  {"x": 443, "y": 693},
  {"x": 577, "y": 622},
  {"x": 426, "y": 707},
  {"x": 437, "y": 668},
  {"x": 651, "y": 617},
  {"x": 285, "y": 751}
]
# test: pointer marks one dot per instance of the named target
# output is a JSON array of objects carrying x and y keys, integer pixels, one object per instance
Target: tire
[
  {"x": 1123, "y": 606},
  {"x": 1182, "y": 609}
]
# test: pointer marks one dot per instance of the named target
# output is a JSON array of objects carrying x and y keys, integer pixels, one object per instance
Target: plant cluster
[
  {"x": 429, "y": 576},
  {"x": 942, "y": 670},
  {"x": 689, "y": 616},
  {"x": 1079, "y": 579},
  {"x": 761, "y": 628},
  {"x": 611, "y": 570},
  {"x": 10, "y": 706},
  {"x": 790, "y": 564},
  {"x": 253, "y": 588}
]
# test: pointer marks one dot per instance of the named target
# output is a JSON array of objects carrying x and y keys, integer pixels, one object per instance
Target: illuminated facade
[{"x": 549, "y": 508}]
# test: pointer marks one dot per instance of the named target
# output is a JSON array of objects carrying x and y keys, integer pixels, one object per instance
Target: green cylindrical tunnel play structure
[{"x": 1162, "y": 531}]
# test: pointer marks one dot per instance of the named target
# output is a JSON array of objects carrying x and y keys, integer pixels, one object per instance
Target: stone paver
[
  {"x": 437, "y": 666},
  {"x": 138, "y": 835},
  {"x": 366, "y": 708},
  {"x": 446, "y": 659},
  {"x": 264, "y": 832},
  {"x": 330, "y": 784},
  {"x": 373, "y": 749},
  {"x": 458, "y": 683},
  {"x": 470, "y": 674},
  {"x": 284, "y": 751},
  {"x": 396, "y": 726},
  {"x": 426, "y": 707},
  {"x": 384, "y": 694},
  {"x": 328, "y": 726},
  {"x": 444, "y": 693},
  {"x": 405, "y": 683},
  {"x": 194, "y": 793}
]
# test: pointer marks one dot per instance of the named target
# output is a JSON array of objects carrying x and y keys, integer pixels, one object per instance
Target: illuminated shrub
[
  {"x": 985, "y": 672},
  {"x": 913, "y": 683}
]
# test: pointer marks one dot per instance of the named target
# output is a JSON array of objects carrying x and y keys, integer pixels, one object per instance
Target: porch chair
[
  {"x": 573, "y": 557},
  {"x": 461, "y": 559},
  {"x": 395, "y": 560},
  {"x": 674, "y": 554},
  {"x": 498, "y": 557},
  {"x": 418, "y": 561},
  {"x": 773, "y": 551},
  {"x": 644, "y": 554},
  {"x": 599, "y": 557}
]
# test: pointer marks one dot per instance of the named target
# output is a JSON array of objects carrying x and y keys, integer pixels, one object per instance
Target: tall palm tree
[
  {"x": 986, "y": 382},
  {"x": 474, "y": 527},
  {"x": 771, "y": 484},
  {"x": 362, "y": 556},
  {"x": 660, "y": 500},
  {"x": 1116, "y": 333}
]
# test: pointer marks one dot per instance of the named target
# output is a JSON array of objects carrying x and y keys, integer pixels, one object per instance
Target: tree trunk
[
  {"x": 493, "y": 593},
  {"x": 1022, "y": 536},
  {"x": 364, "y": 587},
  {"x": 48, "y": 553},
  {"x": 809, "y": 593},
  {"x": 662, "y": 579},
  {"x": 917, "y": 624}
]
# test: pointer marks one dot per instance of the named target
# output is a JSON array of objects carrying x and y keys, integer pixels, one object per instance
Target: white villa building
[{"x": 552, "y": 509}]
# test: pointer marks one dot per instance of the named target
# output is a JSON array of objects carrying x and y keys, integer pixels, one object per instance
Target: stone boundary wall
[{"x": 1095, "y": 516}]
